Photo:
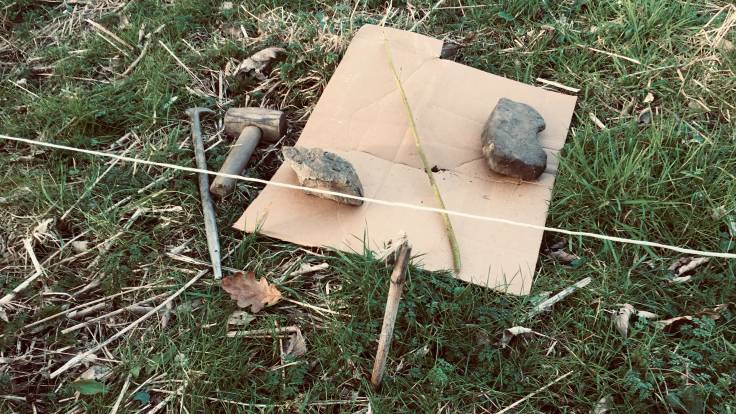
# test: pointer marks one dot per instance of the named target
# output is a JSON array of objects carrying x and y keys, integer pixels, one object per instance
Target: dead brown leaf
[
  {"x": 645, "y": 116},
  {"x": 41, "y": 231},
  {"x": 95, "y": 372},
  {"x": 80, "y": 246},
  {"x": 562, "y": 256},
  {"x": 240, "y": 318},
  {"x": 512, "y": 333},
  {"x": 673, "y": 324},
  {"x": 248, "y": 291},
  {"x": 259, "y": 63},
  {"x": 726, "y": 45},
  {"x": 297, "y": 345},
  {"x": 622, "y": 317},
  {"x": 603, "y": 405},
  {"x": 557, "y": 252}
]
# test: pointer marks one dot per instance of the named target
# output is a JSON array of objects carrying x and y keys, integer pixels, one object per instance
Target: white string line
[{"x": 382, "y": 202}]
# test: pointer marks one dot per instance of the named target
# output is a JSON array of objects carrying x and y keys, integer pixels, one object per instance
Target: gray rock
[
  {"x": 510, "y": 141},
  {"x": 316, "y": 168}
]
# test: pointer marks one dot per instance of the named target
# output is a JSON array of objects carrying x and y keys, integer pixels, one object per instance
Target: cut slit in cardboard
[{"x": 361, "y": 117}]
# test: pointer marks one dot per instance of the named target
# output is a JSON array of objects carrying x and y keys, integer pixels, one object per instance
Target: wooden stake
[{"x": 398, "y": 276}]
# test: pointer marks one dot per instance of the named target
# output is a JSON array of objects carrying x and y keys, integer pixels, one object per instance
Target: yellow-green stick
[{"x": 427, "y": 168}]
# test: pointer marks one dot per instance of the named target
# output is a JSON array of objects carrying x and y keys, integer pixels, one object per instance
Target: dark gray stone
[
  {"x": 450, "y": 51},
  {"x": 316, "y": 168},
  {"x": 510, "y": 141}
]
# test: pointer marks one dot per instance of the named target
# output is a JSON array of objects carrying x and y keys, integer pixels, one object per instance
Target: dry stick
[
  {"x": 101, "y": 247},
  {"x": 138, "y": 59},
  {"x": 179, "y": 62},
  {"x": 208, "y": 207},
  {"x": 187, "y": 259},
  {"x": 315, "y": 308},
  {"x": 398, "y": 276},
  {"x": 531, "y": 394},
  {"x": 547, "y": 304},
  {"x": 39, "y": 271},
  {"x": 558, "y": 85},
  {"x": 36, "y": 265},
  {"x": 86, "y": 311},
  {"x": 165, "y": 175},
  {"x": 611, "y": 54},
  {"x": 90, "y": 303},
  {"x": 109, "y": 314},
  {"x": 89, "y": 189},
  {"x": 121, "y": 396},
  {"x": 415, "y": 25},
  {"x": 597, "y": 121},
  {"x": 109, "y": 33},
  {"x": 427, "y": 168},
  {"x": 146, "y": 44},
  {"x": 162, "y": 404},
  {"x": 263, "y": 333},
  {"x": 262, "y": 406},
  {"x": 77, "y": 359}
]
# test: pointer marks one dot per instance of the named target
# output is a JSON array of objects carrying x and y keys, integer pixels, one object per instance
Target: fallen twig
[
  {"x": 263, "y": 333},
  {"x": 547, "y": 304},
  {"x": 87, "y": 191},
  {"x": 146, "y": 44},
  {"x": 126, "y": 384},
  {"x": 35, "y": 275},
  {"x": 179, "y": 62},
  {"x": 109, "y": 33},
  {"x": 83, "y": 305},
  {"x": 77, "y": 359},
  {"x": 109, "y": 314},
  {"x": 611, "y": 54},
  {"x": 315, "y": 308},
  {"x": 597, "y": 121},
  {"x": 162, "y": 403},
  {"x": 307, "y": 268},
  {"x": 86, "y": 311},
  {"x": 558, "y": 85},
  {"x": 187, "y": 259},
  {"x": 137, "y": 60},
  {"x": 531, "y": 394}
]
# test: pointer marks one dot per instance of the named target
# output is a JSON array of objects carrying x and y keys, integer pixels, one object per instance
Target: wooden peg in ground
[
  {"x": 250, "y": 125},
  {"x": 398, "y": 276}
]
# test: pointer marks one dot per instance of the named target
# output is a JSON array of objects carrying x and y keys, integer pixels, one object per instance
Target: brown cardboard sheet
[{"x": 360, "y": 116}]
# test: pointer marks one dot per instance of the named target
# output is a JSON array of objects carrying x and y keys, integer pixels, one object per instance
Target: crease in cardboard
[{"x": 361, "y": 117}]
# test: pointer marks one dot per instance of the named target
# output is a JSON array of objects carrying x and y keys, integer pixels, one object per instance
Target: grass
[{"x": 660, "y": 181}]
